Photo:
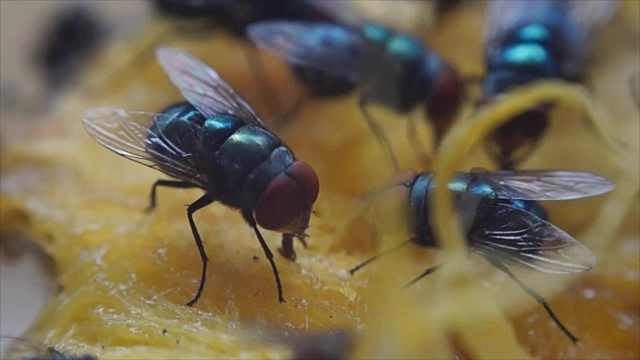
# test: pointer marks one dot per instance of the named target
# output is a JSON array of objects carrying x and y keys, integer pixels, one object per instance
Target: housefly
[
  {"x": 391, "y": 69},
  {"x": 215, "y": 142},
  {"x": 19, "y": 348},
  {"x": 531, "y": 40},
  {"x": 503, "y": 221}
]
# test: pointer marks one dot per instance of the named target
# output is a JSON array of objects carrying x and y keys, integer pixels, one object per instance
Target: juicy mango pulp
[{"x": 126, "y": 274}]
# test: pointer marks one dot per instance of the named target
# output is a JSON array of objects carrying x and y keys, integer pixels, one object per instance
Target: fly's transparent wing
[
  {"x": 341, "y": 10},
  {"x": 545, "y": 185},
  {"x": 514, "y": 236},
  {"x": 203, "y": 87},
  {"x": 584, "y": 17},
  {"x": 11, "y": 347},
  {"x": 18, "y": 348},
  {"x": 325, "y": 47},
  {"x": 135, "y": 136}
]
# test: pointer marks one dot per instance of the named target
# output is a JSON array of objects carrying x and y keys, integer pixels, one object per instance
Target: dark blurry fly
[
  {"x": 504, "y": 223},
  {"x": 72, "y": 34},
  {"x": 529, "y": 40},
  {"x": 19, "y": 348},
  {"x": 218, "y": 143},
  {"x": 390, "y": 68},
  {"x": 236, "y": 15}
]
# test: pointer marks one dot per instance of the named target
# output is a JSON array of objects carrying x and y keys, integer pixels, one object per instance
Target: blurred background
[{"x": 29, "y": 89}]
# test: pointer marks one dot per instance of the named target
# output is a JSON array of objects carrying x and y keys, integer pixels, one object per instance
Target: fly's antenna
[
  {"x": 368, "y": 261},
  {"x": 379, "y": 133}
]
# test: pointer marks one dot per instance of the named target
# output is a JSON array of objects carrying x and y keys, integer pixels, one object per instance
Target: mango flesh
[{"x": 125, "y": 275}]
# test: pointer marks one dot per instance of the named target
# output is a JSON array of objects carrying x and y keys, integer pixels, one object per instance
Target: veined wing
[
  {"x": 584, "y": 17},
  {"x": 203, "y": 87},
  {"x": 12, "y": 347},
  {"x": 545, "y": 184},
  {"x": 340, "y": 10},
  {"x": 325, "y": 47},
  {"x": 135, "y": 136},
  {"x": 514, "y": 236}
]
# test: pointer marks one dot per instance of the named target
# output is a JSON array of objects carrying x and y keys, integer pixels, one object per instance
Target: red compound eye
[{"x": 285, "y": 204}]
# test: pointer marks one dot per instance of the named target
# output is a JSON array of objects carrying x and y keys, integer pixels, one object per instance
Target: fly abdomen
[
  {"x": 420, "y": 210},
  {"x": 217, "y": 130},
  {"x": 172, "y": 134},
  {"x": 528, "y": 54}
]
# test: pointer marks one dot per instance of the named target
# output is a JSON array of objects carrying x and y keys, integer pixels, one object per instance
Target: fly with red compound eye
[{"x": 216, "y": 142}]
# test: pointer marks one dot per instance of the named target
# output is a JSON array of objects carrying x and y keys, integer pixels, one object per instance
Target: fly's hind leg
[{"x": 168, "y": 183}]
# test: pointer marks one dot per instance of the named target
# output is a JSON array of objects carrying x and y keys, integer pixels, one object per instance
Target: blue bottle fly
[
  {"x": 531, "y": 40},
  {"x": 215, "y": 142},
  {"x": 391, "y": 69},
  {"x": 502, "y": 219}
]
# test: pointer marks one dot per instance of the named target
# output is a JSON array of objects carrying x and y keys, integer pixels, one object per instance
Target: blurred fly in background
[
  {"x": 390, "y": 68},
  {"x": 72, "y": 34},
  {"x": 502, "y": 220},
  {"x": 19, "y": 348},
  {"x": 215, "y": 142},
  {"x": 528, "y": 40},
  {"x": 195, "y": 18}
]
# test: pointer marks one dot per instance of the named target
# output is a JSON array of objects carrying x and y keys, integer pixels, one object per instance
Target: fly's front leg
[
  {"x": 205, "y": 200},
  {"x": 248, "y": 217},
  {"x": 168, "y": 183}
]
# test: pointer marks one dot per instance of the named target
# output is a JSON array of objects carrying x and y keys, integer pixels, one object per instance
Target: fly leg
[
  {"x": 372, "y": 259},
  {"x": 167, "y": 183},
  {"x": 378, "y": 133},
  {"x": 423, "y": 155},
  {"x": 248, "y": 217},
  {"x": 537, "y": 297},
  {"x": 430, "y": 270},
  {"x": 203, "y": 201},
  {"x": 287, "y": 249}
]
